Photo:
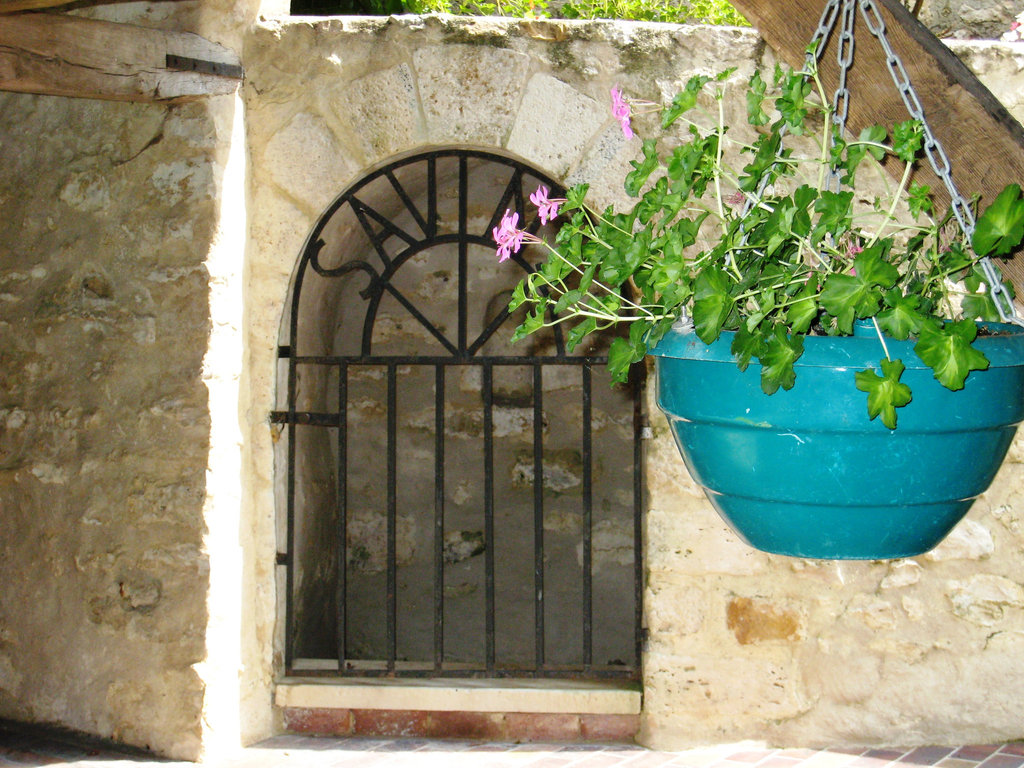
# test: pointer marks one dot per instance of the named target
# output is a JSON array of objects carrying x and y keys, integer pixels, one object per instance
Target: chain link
[
  {"x": 938, "y": 159},
  {"x": 841, "y": 98}
]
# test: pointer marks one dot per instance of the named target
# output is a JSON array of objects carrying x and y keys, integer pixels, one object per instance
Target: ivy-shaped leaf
[
  {"x": 907, "y": 140},
  {"x": 1000, "y": 228},
  {"x": 518, "y": 297},
  {"x": 636, "y": 178},
  {"x": 712, "y": 303},
  {"x": 745, "y": 346},
  {"x": 624, "y": 352},
  {"x": 919, "y": 199},
  {"x": 886, "y": 393},
  {"x": 755, "y": 97},
  {"x": 848, "y": 297},
  {"x": 579, "y": 332},
  {"x": 948, "y": 352},
  {"x": 804, "y": 309},
  {"x": 902, "y": 316},
  {"x": 777, "y": 357},
  {"x": 684, "y": 101}
]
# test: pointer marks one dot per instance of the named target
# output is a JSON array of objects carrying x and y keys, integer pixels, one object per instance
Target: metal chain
[
  {"x": 826, "y": 24},
  {"x": 841, "y": 98},
  {"x": 816, "y": 47},
  {"x": 938, "y": 159}
]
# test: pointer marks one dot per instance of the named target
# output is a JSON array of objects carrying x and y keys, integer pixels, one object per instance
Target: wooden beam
[
  {"x": 983, "y": 141},
  {"x": 60, "y": 55},
  {"x": 17, "y": 6}
]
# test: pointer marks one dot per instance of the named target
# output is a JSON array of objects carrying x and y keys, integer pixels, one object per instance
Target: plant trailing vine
[{"x": 769, "y": 245}]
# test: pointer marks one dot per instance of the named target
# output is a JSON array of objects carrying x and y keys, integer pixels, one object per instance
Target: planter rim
[{"x": 1004, "y": 348}]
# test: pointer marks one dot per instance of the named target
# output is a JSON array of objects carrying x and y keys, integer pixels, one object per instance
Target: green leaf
[
  {"x": 902, "y": 317},
  {"x": 755, "y": 96},
  {"x": 885, "y": 393},
  {"x": 907, "y": 139},
  {"x": 580, "y": 332},
  {"x": 871, "y": 267},
  {"x": 746, "y": 345},
  {"x": 792, "y": 104},
  {"x": 624, "y": 352},
  {"x": 948, "y": 352},
  {"x": 574, "y": 197},
  {"x": 1000, "y": 228},
  {"x": 534, "y": 322},
  {"x": 847, "y": 297},
  {"x": 777, "y": 357},
  {"x": 636, "y": 178},
  {"x": 712, "y": 303},
  {"x": 803, "y": 310},
  {"x": 567, "y": 298},
  {"x": 919, "y": 199},
  {"x": 518, "y": 297},
  {"x": 684, "y": 101}
]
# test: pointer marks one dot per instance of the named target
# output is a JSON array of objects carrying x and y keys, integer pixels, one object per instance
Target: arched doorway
[{"x": 416, "y": 538}]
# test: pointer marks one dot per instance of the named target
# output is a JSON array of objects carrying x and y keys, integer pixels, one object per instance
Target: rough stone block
[
  {"x": 470, "y": 93},
  {"x": 555, "y": 124},
  {"x": 305, "y": 160},
  {"x": 384, "y": 112}
]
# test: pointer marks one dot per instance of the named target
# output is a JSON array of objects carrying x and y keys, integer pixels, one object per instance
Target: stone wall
[
  {"x": 742, "y": 645},
  {"x": 104, "y": 415},
  {"x": 138, "y": 547}
]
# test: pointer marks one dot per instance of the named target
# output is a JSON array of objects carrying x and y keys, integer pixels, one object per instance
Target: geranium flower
[
  {"x": 546, "y": 207},
  {"x": 737, "y": 198},
  {"x": 508, "y": 236},
  {"x": 622, "y": 112}
]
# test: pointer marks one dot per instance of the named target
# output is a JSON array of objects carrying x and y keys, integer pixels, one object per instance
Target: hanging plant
[{"x": 765, "y": 238}]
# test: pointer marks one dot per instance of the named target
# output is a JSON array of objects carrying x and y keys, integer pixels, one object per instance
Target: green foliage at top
[
  {"x": 675, "y": 11},
  {"x": 747, "y": 234}
]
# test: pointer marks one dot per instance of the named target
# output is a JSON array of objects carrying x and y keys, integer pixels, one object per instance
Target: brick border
[{"x": 485, "y": 726}]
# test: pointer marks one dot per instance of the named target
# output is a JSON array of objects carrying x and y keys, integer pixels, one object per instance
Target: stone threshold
[{"x": 461, "y": 695}]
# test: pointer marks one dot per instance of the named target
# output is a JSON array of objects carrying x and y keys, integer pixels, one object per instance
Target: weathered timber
[
  {"x": 60, "y": 55},
  {"x": 983, "y": 141}
]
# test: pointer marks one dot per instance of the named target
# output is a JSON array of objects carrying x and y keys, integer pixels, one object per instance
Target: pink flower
[
  {"x": 546, "y": 208},
  {"x": 622, "y": 113},
  {"x": 508, "y": 237},
  {"x": 737, "y": 198},
  {"x": 852, "y": 248}
]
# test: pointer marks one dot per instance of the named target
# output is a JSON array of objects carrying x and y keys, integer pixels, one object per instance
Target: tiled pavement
[{"x": 309, "y": 752}]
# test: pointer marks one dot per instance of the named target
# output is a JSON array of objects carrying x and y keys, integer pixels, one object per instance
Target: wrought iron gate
[{"x": 456, "y": 506}]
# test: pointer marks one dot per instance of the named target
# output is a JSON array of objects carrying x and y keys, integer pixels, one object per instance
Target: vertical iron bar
[
  {"x": 392, "y": 555},
  {"x": 463, "y": 251},
  {"x": 636, "y": 383},
  {"x": 487, "y": 385},
  {"x": 289, "y": 620},
  {"x": 431, "y": 197},
  {"x": 588, "y": 528},
  {"x": 538, "y": 515},
  {"x": 341, "y": 596},
  {"x": 439, "y": 434}
]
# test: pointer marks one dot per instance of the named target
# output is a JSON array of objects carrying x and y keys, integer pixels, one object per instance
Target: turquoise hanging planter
[{"x": 804, "y": 472}]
